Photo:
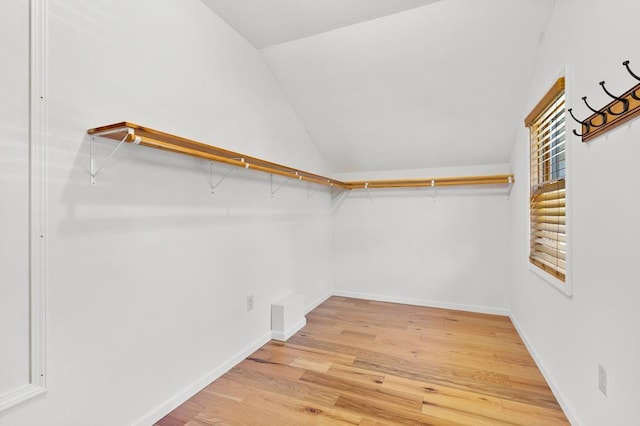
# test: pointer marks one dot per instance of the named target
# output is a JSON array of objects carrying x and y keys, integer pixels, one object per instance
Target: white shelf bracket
[
  {"x": 215, "y": 185},
  {"x": 94, "y": 170},
  {"x": 309, "y": 191},
  {"x": 434, "y": 190},
  {"x": 335, "y": 193},
  {"x": 274, "y": 191},
  {"x": 366, "y": 188},
  {"x": 510, "y": 187}
]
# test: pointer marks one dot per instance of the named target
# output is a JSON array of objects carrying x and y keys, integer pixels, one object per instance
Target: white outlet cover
[
  {"x": 602, "y": 379},
  {"x": 250, "y": 303}
]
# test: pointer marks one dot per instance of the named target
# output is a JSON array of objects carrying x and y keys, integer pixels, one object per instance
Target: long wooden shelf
[
  {"x": 441, "y": 181},
  {"x": 134, "y": 133}
]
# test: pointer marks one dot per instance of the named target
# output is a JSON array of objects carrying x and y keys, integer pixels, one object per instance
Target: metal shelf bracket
[
  {"x": 309, "y": 191},
  {"x": 274, "y": 191},
  {"x": 366, "y": 188},
  {"x": 94, "y": 169},
  {"x": 227, "y": 174}
]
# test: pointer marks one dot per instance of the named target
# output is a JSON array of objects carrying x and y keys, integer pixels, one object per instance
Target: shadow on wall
[{"x": 144, "y": 188}]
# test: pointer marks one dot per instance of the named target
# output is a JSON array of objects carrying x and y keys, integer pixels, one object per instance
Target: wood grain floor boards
[{"x": 367, "y": 363}]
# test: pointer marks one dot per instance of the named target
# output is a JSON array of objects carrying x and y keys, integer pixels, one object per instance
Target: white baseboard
[
  {"x": 310, "y": 307},
  {"x": 179, "y": 399},
  {"x": 545, "y": 373},
  {"x": 424, "y": 302},
  {"x": 284, "y": 336},
  {"x": 17, "y": 396}
]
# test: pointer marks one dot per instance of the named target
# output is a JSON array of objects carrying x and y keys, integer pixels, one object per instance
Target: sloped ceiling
[
  {"x": 435, "y": 86},
  {"x": 268, "y": 22}
]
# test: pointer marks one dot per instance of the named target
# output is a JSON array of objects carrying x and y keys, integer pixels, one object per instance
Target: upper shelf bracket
[
  {"x": 310, "y": 191},
  {"x": 274, "y": 191},
  {"x": 94, "y": 170},
  {"x": 227, "y": 174}
]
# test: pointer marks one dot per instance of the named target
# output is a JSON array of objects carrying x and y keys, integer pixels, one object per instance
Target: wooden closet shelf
[
  {"x": 441, "y": 181},
  {"x": 134, "y": 133},
  {"x": 145, "y": 136}
]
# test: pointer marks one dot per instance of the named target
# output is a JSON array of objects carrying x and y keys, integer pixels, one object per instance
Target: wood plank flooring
[{"x": 360, "y": 362}]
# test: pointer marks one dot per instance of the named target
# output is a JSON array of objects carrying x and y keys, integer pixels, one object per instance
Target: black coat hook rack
[{"x": 620, "y": 110}]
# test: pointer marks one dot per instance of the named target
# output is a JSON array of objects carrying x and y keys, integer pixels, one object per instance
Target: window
[{"x": 546, "y": 125}]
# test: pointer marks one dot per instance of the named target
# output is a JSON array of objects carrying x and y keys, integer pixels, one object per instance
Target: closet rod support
[
  {"x": 309, "y": 191},
  {"x": 227, "y": 174},
  {"x": 94, "y": 170},
  {"x": 336, "y": 194},
  {"x": 273, "y": 192},
  {"x": 366, "y": 188}
]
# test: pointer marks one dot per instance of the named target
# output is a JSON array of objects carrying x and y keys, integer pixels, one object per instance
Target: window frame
[{"x": 561, "y": 84}]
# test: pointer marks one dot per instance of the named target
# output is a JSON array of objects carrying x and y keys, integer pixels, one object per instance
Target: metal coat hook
[
  {"x": 625, "y": 102},
  {"x": 586, "y": 124},
  {"x": 600, "y": 113},
  {"x": 626, "y": 64},
  {"x": 634, "y": 94},
  {"x": 273, "y": 192},
  {"x": 620, "y": 110}
]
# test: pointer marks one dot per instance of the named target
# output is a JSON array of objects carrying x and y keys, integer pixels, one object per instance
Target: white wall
[
  {"x": 410, "y": 247},
  {"x": 148, "y": 271},
  {"x": 599, "y": 324}
]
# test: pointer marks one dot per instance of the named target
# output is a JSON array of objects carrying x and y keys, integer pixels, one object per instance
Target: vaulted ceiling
[{"x": 424, "y": 84}]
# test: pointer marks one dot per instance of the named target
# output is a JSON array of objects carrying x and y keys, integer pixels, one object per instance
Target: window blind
[{"x": 547, "y": 190}]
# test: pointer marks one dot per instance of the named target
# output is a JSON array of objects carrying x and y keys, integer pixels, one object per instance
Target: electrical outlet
[
  {"x": 250, "y": 303},
  {"x": 602, "y": 379}
]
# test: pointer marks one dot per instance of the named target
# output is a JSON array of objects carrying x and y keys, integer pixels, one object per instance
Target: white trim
[
  {"x": 317, "y": 302},
  {"x": 545, "y": 373},
  {"x": 19, "y": 395},
  {"x": 569, "y": 144},
  {"x": 424, "y": 302},
  {"x": 283, "y": 336},
  {"x": 179, "y": 399},
  {"x": 37, "y": 209},
  {"x": 556, "y": 283},
  {"x": 38, "y": 145}
]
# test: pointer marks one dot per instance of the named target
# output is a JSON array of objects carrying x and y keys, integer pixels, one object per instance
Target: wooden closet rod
[
  {"x": 140, "y": 135},
  {"x": 441, "y": 181},
  {"x": 145, "y": 136}
]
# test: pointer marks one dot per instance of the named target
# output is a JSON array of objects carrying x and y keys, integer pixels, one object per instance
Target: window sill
[{"x": 562, "y": 287}]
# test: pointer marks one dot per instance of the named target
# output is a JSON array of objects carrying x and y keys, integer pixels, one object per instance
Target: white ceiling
[
  {"x": 268, "y": 22},
  {"x": 439, "y": 85}
]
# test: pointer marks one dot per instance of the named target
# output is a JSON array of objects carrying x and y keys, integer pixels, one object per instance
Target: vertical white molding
[
  {"x": 37, "y": 208},
  {"x": 37, "y": 160},
  {"x": 570, "y": 141}
]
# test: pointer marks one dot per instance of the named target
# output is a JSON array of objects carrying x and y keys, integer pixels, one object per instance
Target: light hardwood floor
[{"x": 361, "y": 362}]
